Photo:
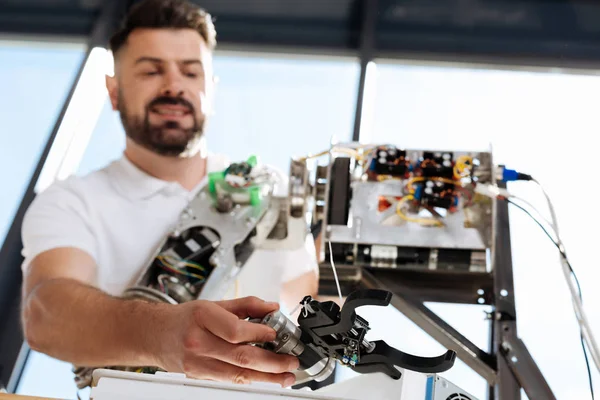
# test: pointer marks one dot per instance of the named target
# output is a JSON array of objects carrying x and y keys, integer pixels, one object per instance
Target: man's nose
[{"x": 173, "y": 86}]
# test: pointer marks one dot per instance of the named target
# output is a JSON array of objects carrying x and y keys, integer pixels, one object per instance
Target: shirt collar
[{"x": 136, "y": 184}]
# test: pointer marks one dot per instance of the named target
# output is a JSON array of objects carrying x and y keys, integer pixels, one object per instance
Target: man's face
[{"x": 162, "y": 86}]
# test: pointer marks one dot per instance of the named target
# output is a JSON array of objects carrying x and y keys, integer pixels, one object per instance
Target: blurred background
[{"x": 518, "y": 76}]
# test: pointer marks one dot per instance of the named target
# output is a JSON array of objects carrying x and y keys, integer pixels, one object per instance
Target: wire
[
  {"x": 564, "y": 254},
  {"x": 540, "y": 217},
  {"x": 422, "y": 221},
  {"x": 177, "y": 263},
  {"x": 550, "y": 206},
  {"x": 564, "y": 259},
  {"x": 296, "y": 309},
  {"x": 345, "y": 150},
  {"x": 337, "y": 282},
  {"x": 462, "y": 163},
  {"x": 164, "y": 263}
]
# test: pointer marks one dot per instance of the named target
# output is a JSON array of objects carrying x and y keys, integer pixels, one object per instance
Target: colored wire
[
  {"x": 463, "y": 163},
  {"x": 564, "y": 259},
  {"x": 176, "y": 263},
  {"x": 167, "y": 266},
  {"x": 422, "y": 221}
]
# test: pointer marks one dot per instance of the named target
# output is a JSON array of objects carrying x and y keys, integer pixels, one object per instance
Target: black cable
[{"x": 564, "y": 255}]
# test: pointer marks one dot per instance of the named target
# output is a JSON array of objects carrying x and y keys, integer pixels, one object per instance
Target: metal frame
[
  {"x": 508, "y": 366},
  {"x": 13, "y": 350},
  {"x": 367, "y": 52}
]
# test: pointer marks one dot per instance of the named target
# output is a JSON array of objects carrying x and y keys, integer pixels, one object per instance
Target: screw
[{"x": 285, "y": 337}]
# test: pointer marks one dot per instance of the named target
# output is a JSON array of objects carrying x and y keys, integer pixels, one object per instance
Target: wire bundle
[
  {"x": 550, "y": 228},
  {"x": 179, "y": 267}
]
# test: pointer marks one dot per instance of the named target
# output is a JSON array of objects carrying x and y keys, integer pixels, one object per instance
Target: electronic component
[
  {"x": 440, "y": 388},
  {"x": 439, "y": 164},
  {"x": 389, "y": 160},
  {"x": 239, "y": 174},
  {"x": 434, "y": 193},
  {"x": 239, "y": 184}
]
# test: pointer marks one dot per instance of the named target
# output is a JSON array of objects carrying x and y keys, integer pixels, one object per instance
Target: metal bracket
[{"x": 525, "y": 369}]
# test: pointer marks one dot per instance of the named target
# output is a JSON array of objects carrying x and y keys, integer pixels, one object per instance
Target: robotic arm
[
  {"x": 236, "y": 213},
  {"x": 327, "y": 334}
]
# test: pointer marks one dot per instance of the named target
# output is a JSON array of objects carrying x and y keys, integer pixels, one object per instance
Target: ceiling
[{"x": 551, "y": 32}]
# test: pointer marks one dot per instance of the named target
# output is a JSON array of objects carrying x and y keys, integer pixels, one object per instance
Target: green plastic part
[
  {"x": 255, "y": 196},
  {"x": 213, "y": 178},
  {"x": 252, "y": 161}
]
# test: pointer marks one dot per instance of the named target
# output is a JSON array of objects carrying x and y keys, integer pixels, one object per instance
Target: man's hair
[{"x": 173, "y": 14}]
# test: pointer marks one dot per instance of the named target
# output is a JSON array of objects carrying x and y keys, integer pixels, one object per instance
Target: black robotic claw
[
  {"x": 385, "y": 354},
  {"x": 341, "y": 334}
]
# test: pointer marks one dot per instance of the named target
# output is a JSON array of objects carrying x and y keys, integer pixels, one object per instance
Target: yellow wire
[
  {"x": 462, "y": 163},
  {"x": 167, "y": 264},
  {"x": 422, "y": 221},
  {"x": 187, "y": 264},
  {"x": 382, "y": 178}
]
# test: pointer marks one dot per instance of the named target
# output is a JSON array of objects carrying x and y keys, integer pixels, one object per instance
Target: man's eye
[
  {"x": 191, "y": 75},
  {"x": 149, "y": 73}
]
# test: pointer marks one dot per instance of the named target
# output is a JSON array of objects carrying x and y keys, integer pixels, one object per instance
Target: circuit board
[{"x": 385, "y": 206}]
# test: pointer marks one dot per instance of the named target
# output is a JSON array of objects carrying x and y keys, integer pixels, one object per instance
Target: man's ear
[{"x": 112, "y": 86}]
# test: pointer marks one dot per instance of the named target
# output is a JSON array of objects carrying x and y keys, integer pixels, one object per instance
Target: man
[{"x": 86, "y": 239}]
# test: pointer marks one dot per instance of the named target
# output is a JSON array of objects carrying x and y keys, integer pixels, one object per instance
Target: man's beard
[{"x": 155, "y": 137}]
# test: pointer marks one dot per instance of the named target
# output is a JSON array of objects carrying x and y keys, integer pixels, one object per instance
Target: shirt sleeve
[{"x": 56, "y": 218}]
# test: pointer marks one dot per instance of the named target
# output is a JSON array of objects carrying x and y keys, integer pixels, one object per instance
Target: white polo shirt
[{"x": 120, "y": 215}]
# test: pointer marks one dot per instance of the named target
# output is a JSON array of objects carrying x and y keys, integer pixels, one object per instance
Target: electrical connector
[
  {"x": 492, "y": 191},
  {"x": 510, "y": 175}
]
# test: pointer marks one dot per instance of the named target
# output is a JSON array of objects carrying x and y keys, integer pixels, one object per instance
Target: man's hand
[
  {"x": 203, "y": 339},
  {"x": 209, "y": 340}
]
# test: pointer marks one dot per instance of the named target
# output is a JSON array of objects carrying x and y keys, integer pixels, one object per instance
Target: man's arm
[{"x": 65, "y": 317}]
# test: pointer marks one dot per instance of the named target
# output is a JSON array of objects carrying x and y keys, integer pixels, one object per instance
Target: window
[
  {"x": 543, "y": 123},
  {"x": 35, "y": 79},
  {"x": 106, "y": 143},
  {"x": 277, "y": 108}
]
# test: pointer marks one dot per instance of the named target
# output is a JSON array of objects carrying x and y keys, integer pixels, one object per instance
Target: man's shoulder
[
  {"x": 76, "y": 188},
  {"x": 82, "y": 183}
]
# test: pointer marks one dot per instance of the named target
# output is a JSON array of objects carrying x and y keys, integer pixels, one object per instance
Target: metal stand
[{"x": 508, "y": 366}]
